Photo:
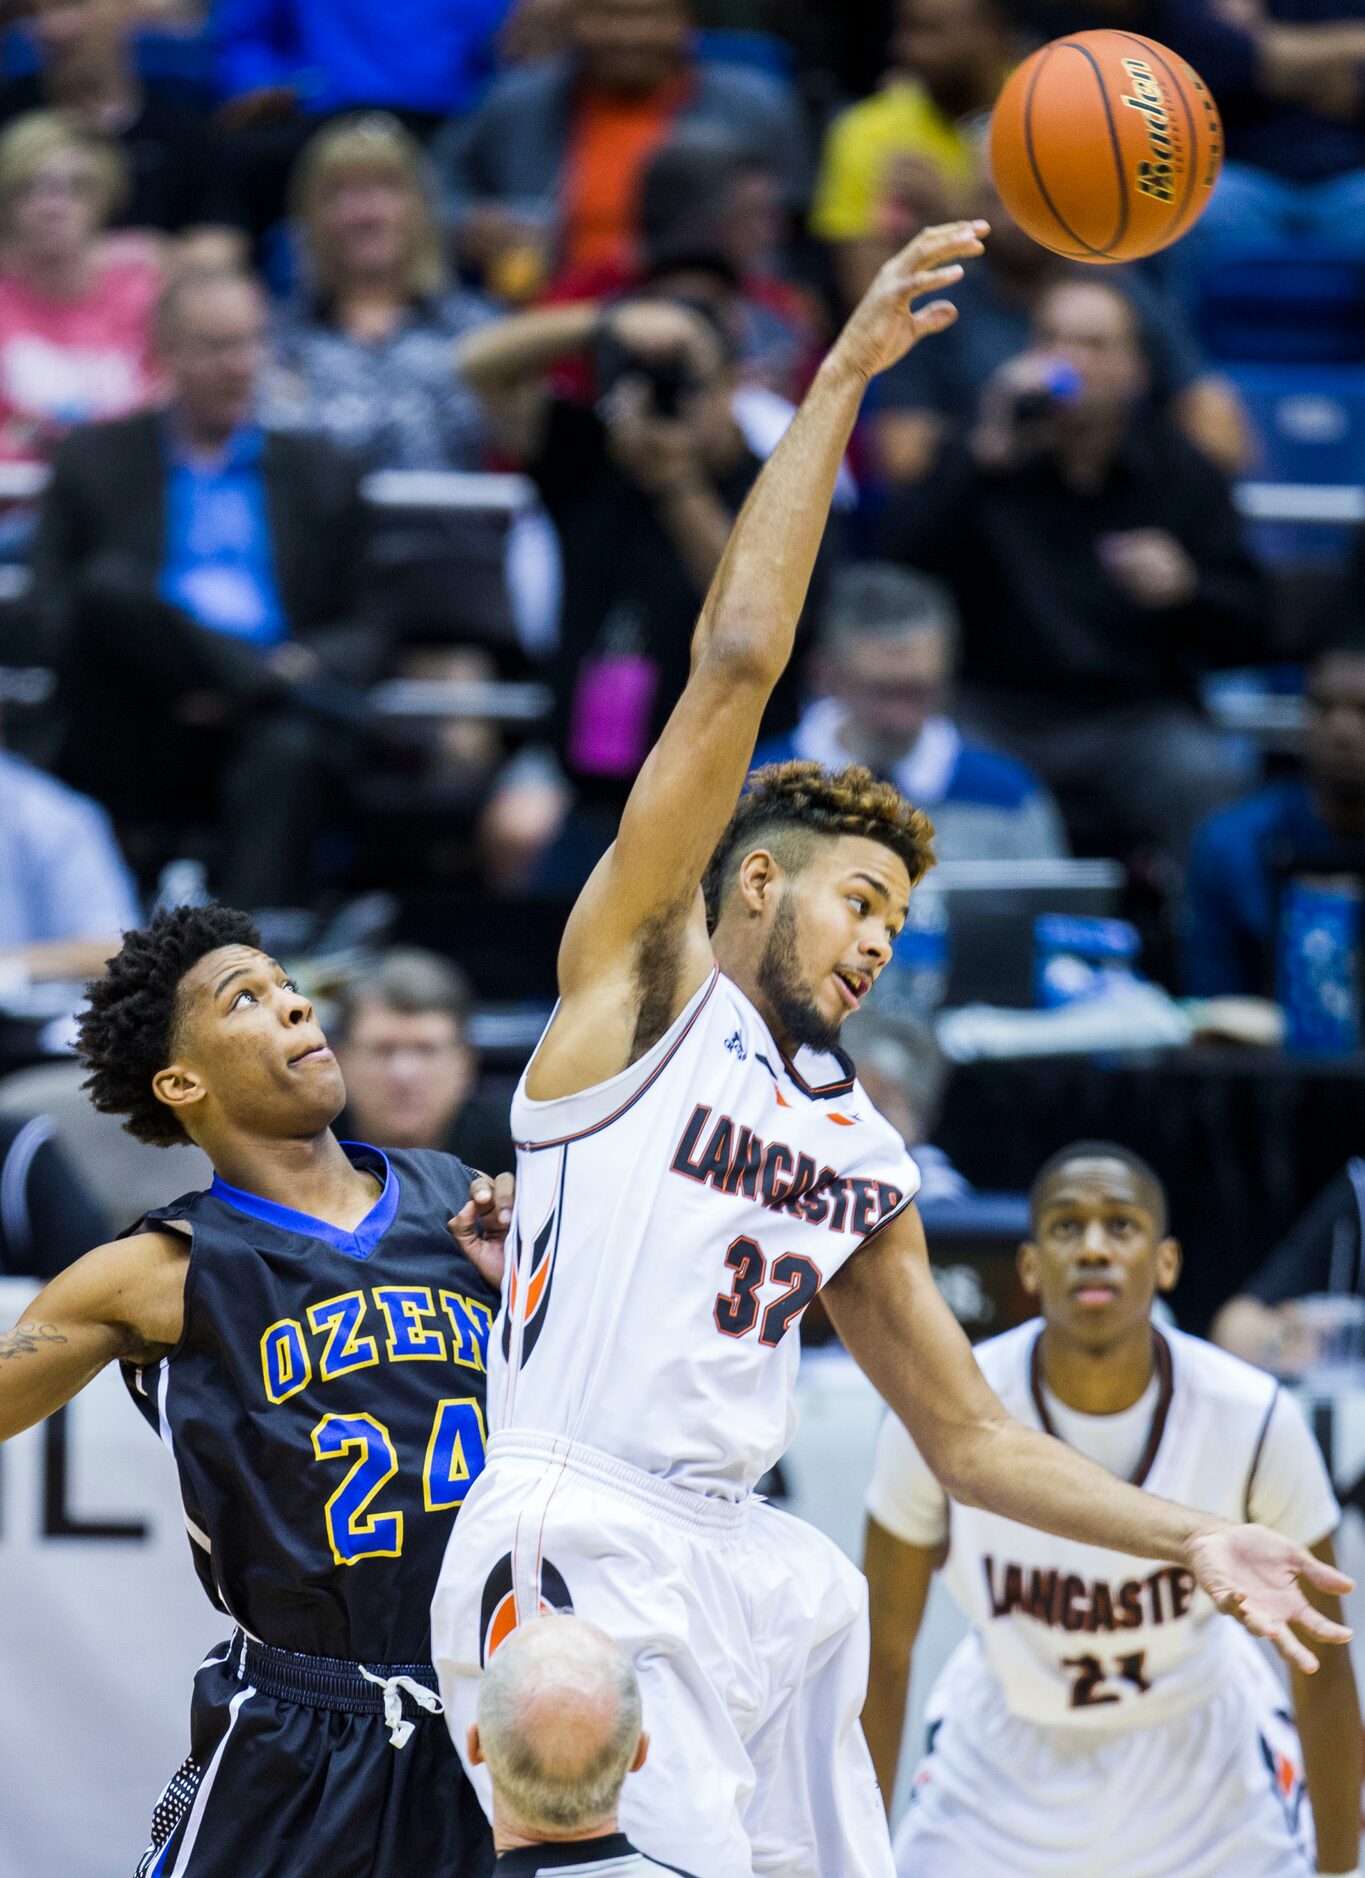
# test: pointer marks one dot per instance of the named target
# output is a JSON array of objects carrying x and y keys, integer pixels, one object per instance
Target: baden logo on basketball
[{"x": 1155, "y": 174}]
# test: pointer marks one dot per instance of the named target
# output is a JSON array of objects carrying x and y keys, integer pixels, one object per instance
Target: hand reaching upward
[
  {"x": 1253, "y": 1574},
  {"x": 884, "y": 326}
]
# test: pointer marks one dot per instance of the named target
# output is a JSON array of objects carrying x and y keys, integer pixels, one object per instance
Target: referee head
[{"x": 559, "y": 1729}]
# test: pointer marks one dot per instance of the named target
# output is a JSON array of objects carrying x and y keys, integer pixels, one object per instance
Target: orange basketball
[{"x": 1105, "y": 146}]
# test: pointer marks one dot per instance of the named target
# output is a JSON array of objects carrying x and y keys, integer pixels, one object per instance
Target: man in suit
[{"x": 198, "y": 579}]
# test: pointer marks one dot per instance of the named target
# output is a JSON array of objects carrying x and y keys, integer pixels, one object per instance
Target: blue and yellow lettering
[
  {"x": 284, "y": 1360},
  {"x": 341, "y": 1317},
  {"x": 470, "y": 1323},
  {"x": 454, "y": 1454},
  {"x": 403, "y": 1306}
]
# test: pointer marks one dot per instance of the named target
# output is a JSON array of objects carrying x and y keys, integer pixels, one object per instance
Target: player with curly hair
[
  {"x": 696, "y": 1160},
  {"x": 311, "y": 1347}
]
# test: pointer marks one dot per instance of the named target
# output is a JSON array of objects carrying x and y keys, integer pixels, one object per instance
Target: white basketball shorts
[
  {"x": 1216, "y": 1792},
  {"x": 749, "y": 1633}
]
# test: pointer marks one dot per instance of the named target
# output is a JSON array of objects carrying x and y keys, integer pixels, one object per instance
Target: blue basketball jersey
[{"x": 325, "y": 1406}]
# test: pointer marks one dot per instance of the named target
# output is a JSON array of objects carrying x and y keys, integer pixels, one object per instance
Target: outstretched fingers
[{"x": 1323, "y": 1576}]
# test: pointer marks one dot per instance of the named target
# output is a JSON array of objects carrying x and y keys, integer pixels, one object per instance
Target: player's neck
[
  {"x": 1098, "y": 1381},
  {"x": 310, "y": 1176}
]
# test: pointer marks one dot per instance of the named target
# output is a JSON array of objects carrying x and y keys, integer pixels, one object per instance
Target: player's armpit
[
  {"x": 898, "y": 1581},
  {"x": 123, "y": 1300},
  {"x": 1327, "y": 1716}
]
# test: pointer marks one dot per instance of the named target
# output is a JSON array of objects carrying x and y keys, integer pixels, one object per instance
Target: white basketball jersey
[
  {"x": 672, "y": 1224},
  {"x": 1082, "y": 1635}
]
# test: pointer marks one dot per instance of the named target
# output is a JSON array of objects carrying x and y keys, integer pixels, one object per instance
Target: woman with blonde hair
[
  {"x": 75, "y": 306},
  {"x": 364, "y": 353}
]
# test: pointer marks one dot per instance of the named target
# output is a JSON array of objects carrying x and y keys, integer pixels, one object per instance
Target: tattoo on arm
[{"x": 27, "y": 1339}]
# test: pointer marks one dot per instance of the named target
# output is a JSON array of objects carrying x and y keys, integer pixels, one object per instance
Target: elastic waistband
[
  {"x": 678, "y": 1506},
  {"x": 329, "y": 1682}
]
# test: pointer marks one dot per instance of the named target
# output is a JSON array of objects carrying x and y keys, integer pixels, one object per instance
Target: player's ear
[
  {"x": 178, "y": 1087},
  {"x": 1169, "y": 1259},
  {"x": 1026, "y": 1264},
  {"x": 759, "y": 875},
  {"x": 474, "y": 1745},
  {"x": 641, "y": 1750}
]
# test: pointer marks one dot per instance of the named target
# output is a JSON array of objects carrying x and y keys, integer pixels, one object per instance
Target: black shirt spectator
[
  {"x": 47, "y": 1218},
  {"x": 629, "y": 605},
  {"x": 1098, "y": 569}
]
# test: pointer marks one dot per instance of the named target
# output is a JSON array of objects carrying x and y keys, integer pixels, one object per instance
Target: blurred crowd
[{"x": 378, "y": 388}]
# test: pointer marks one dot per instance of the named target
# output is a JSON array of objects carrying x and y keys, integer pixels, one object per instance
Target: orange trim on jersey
[{"x": 535, "y": 1147}]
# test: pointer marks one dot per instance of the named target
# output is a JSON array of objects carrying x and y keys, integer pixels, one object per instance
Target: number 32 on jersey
[{"x": 737, "y": 1310}]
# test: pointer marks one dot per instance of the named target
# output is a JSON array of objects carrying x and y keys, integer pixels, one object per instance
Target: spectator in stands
[
  {"x": 284, "y": 65},
  {"x": 882, "y": 675},
  {"x": 363, "y": 353},
  {"x": 178, "y": 180},
  {"x": 1289, "y": 77},
  {"x": 934, "y": 389},
  {"x": 425, "y": 60},
  {"x": 401, "y": 1035},
  {"x": 1245, "y": 857},
  {"x": 643, "y": 490},
  {"x": 1097, "y": 564},
  {"x": 546, "y": 171},
  {"x": 904, "y": 1073},
  {"x": 907, "y": 156},
  {"x": 75, "y": 318},
  {"x": 66, "y": 896},
  {"x": 711, "y": 220},
  {"x": 559, "y": 1729},
  {"x": 47, "y": 1218},
  {"x": 201, "y": 581},
  {"x": 1323, "y": 1254}
]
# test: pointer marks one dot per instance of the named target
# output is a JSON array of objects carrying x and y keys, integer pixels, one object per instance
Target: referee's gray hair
[
  {"x": 877, "y": 598},
  {"x": 549, "y": 1662}
]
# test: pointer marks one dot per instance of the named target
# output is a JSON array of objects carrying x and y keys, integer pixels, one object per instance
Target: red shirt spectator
[{"x": 75, "y": 311}]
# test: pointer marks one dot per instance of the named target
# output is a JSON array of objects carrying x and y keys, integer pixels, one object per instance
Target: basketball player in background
[
  {"x": 1101, "y": 1720},
  {"x": 311, "y": 1347},
  {"x": 695, "y": 1161}
]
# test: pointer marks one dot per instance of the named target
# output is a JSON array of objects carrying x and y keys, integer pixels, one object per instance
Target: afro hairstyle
[
  {"x": 801, "y": 799},
  {"x": 127, "y": 1031}
]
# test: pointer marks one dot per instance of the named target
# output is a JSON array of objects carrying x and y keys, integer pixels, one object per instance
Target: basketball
[{"x": 1105, "y": 146}]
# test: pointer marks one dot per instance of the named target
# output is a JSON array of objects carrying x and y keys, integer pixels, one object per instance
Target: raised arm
[
  {"x": 887, "y": 1309},
  {"x": 638, "y": 932},
  {"x": 123, "y": 1300}
]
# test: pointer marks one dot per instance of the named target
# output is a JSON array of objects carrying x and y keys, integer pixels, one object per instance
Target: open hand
[
  {"x": 479, "y": 1229},
  {"x": 883, "y": 326},
  {"x": 1253, "y": 1574}
]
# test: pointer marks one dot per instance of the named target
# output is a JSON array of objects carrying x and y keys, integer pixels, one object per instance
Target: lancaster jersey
[
  {"x": 672, "y": 1224},
  {"x": 1078, "y": 1635},
  {"x": 325, "y": 1406}
]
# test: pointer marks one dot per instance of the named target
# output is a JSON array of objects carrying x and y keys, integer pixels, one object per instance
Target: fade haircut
[
  {"x": 1148, "y": 1181},
  {"x": 786, "y": 806},
  {"x": 128, "y": 1030}
]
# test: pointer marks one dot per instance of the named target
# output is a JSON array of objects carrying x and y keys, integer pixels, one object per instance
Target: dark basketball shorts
[{"x": 293, "y": 1773}]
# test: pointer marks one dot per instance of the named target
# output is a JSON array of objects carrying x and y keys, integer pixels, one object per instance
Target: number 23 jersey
[
  {"x": 672, "y": 1225},
  {"x": 1081, "y": 1636}
]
